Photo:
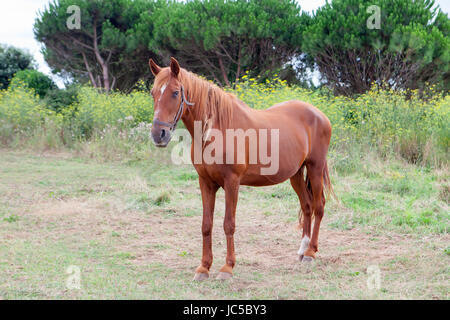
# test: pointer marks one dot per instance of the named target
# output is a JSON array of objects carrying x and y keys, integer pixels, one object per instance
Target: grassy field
[{"x": 134, "y": 230}]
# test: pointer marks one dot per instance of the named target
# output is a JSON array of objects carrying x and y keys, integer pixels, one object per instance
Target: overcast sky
[{"x": 17, "y": 18}]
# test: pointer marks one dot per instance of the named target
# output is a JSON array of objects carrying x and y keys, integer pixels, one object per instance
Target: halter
[{"x": 172, "y": 125}]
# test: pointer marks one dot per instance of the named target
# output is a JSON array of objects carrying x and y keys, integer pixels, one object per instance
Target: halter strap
[{"x": 172, "y": 125}]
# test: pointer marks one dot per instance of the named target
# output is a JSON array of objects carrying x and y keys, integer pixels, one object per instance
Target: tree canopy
[
  {"x": 109, "y": 47},
  {"x": 218, "y": 39},
  {"x": 12, "y": 60},
  {"x": 410, "y": 49},
  {"x": 221, "y": 39},
  {"x": 406, "y": 46}
]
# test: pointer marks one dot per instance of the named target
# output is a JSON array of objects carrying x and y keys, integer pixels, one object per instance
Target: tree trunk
[
  {"x": 224, "y": 73},
  {"x": 238, "y": 71},
  {"x": 101, "y": 61},
  {"x": 91, "y": 76}
]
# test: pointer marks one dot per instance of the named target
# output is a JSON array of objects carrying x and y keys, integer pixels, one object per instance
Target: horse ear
[
  {"x": 154, "y": 67},
  {"x": 174, "y": 66}
]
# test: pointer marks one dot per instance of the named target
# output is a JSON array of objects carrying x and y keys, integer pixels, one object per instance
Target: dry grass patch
[{"x": 105, "y": 219}]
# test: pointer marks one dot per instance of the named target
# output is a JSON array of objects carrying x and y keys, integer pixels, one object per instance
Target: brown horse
[{"x": 301, "y": 139}]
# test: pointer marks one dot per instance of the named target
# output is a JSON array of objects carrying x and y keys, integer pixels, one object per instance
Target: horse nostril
[{"x": 163, "y": 133}]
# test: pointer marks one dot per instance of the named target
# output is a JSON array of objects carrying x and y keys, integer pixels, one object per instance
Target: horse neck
[
  {"x": 191, "y": 114},
  {"x": 188, "y": 120}
]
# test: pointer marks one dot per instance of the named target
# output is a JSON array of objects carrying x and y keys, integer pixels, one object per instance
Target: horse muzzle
[{"x": 161, "y": 136}]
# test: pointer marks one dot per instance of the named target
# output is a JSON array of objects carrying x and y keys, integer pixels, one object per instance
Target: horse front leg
[
  {"x": 231, "y": 187},
  {"x": 208, "y": 190}
]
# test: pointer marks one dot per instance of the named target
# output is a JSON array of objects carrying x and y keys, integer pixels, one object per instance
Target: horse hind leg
[
  {"x": 316, "y": 173},
  {"x": 303, "y": 189}
]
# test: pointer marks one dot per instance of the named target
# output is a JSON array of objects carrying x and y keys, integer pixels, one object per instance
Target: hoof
[
  {"x": 307, "y": 259},
  {"x": 224, "y": 276},
  {"x": 200, "y": 276}
]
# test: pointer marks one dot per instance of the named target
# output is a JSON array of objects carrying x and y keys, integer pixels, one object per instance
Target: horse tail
[
  {"x": 327, "y": 186},
  {"x": 304, "y": 179}
]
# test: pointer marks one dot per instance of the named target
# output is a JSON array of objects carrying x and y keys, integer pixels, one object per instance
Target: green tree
[
  {"x": 109, "y": 49},
  {"x": 36, "y": 80},
  {"x": 410, "y": 49},
  {"x": 222, "y": 39},
  {"x": 12, "y": 60},
  {"x": 58, "y": 99}
]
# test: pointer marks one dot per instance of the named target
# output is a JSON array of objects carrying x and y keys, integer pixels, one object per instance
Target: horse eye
[{"x": 175, "y": 94}]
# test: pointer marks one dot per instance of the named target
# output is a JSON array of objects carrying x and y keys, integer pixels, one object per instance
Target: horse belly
[
  {"x": 291, "y": 153},
  {"x": 254, "y": 177},
  {"x": 261, "y": 181}
]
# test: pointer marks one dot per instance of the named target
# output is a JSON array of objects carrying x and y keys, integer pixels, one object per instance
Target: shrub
[
  {"x": 35, "y": 80},
  {"x": 390, "y": 123},
  {"x": 21, "y": 108},
  {"x": 387, "y": 121},
  {"x": 94, "y": 111},
  {"x": 12, "y": 59},
  {"x": 58, "y": 99}
]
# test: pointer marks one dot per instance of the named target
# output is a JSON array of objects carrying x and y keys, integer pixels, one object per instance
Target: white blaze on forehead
[{"x": 163, "y": 88}]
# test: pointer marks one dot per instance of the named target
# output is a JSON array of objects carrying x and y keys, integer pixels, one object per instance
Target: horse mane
[{"x": 211, "y": 102}]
